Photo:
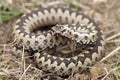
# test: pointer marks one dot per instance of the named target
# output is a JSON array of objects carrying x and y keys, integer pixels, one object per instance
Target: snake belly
[{"x": 45, "y": 17}]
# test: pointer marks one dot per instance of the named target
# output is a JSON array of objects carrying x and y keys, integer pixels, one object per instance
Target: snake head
[{"x": 58, "y": 30}]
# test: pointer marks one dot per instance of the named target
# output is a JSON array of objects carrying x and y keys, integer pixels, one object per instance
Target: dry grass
[{"x": 19, "y": 67}]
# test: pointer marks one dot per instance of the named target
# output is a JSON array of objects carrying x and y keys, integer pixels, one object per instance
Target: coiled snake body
[{"x": 68, "y": 23}]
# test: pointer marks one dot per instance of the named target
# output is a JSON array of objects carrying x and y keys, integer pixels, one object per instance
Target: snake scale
[{"x": 73, "y": 25}]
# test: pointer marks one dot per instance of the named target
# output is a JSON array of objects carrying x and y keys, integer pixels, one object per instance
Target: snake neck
[{"x": 81, "y": 35}]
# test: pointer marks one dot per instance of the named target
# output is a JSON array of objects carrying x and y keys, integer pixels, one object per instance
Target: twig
[
  {"x": 114, "y": 52},
  {"x": 23, "y": 62},
  {"x": 53, "y": 3},
  {"x": 9, "y": 44},
  {"x": 23, "y": 6},
  {"x": 112, "y": 41},
  {"x": 114, "y": 69},
  {"x": 23, "y": 59},
  {"x": 80, "y": 5},
  {"x": 25, "y": 72},
  {"x": 114, "y": 36}
]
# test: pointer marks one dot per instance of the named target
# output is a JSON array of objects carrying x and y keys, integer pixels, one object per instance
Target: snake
[{"x": 41, "y": 28}]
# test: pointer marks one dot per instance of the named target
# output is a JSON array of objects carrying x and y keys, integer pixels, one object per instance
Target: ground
[{"x": 18, "y": 67}]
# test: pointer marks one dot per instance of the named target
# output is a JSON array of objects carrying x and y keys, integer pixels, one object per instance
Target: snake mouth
[{"x": 58, "y": 34}]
